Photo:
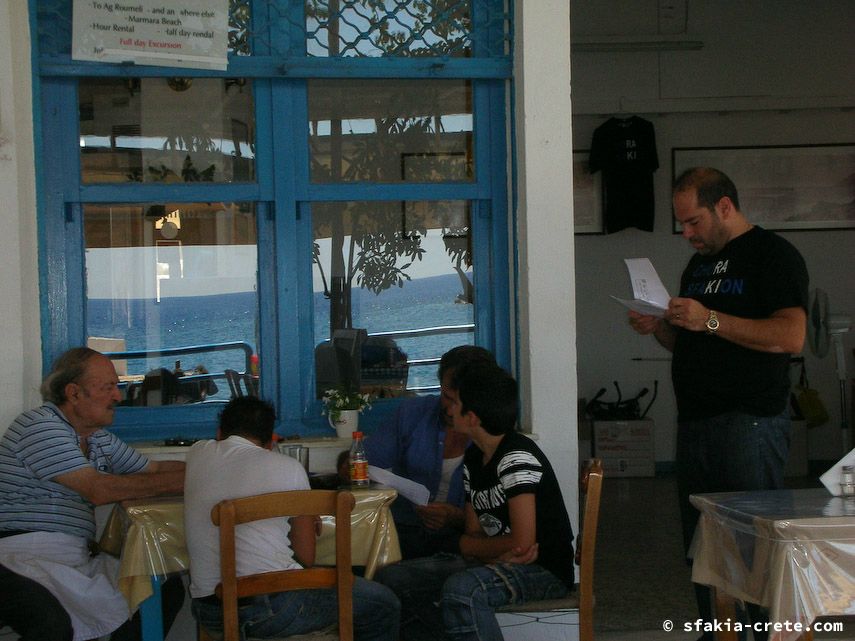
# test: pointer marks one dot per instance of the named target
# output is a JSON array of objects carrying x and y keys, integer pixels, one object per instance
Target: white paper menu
[
  {"x": 415, "y": 492},
  {"x": 649, "y": 294}
]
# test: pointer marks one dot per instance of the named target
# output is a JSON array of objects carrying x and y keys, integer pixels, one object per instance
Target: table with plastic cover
[
  {"x": 148, "y": 537},
  {"x": 791, "y": 551}
]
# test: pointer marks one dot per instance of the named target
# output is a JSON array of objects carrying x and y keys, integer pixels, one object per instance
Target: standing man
[
  {"x": 57, "y": 463},
  {"x": 419, "y": 444},
  {"x": 740, "y": 314},
  {"x": 239, "y": 463}
]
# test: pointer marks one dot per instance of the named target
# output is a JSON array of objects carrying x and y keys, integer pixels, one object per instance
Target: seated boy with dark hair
[
  {"x": 516, "y": 522},
  {"x": 517, "y": 542}
]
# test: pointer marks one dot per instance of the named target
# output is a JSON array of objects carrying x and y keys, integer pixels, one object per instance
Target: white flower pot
[{"x": 347, "y": 423}]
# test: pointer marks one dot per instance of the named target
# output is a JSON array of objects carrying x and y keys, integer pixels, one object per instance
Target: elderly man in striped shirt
[{"x": 56, "y": 464}]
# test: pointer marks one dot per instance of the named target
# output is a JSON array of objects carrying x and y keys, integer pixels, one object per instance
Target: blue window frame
[{"x": 281, "y": 65}]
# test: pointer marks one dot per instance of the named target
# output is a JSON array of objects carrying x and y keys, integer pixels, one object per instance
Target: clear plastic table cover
[
  {"x": 792, "y": 551},
  {"x": 148, "y": 537}
]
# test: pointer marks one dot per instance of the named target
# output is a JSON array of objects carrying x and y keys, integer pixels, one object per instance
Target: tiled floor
[{"x": 640, "y": 578}]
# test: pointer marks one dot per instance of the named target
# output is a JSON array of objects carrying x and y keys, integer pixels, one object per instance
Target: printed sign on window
[{"x": 185, "y": 33}]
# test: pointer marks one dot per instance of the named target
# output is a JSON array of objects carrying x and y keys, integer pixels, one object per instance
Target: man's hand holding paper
[
  {"x": 439, "y": 515},
  {"x": 650, "y": 298}
]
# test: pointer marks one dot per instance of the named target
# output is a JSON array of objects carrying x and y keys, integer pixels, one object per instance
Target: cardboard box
[
  {"x": 626, "y": 447},
  {"x": 628, "y": 467}
]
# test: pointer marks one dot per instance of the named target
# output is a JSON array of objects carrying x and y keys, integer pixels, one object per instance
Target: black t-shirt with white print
[{"x": 519, "y": 467}]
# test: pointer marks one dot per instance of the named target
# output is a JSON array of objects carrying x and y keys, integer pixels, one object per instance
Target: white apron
[{"x": 84, "y": 585}]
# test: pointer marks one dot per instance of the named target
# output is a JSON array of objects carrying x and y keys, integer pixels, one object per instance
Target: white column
[
  {"x": 545, "y": 229},
  {"x": 20, "y": 353}
]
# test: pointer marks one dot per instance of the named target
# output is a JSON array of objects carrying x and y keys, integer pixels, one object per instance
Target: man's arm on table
[
  {"x": 158, "y": 478},
  {"x": 520, "y": 546}
]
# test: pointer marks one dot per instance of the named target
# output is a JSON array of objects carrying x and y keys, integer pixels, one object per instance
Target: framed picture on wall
[
  {"x": 787, "y": 187},
  {"x": 587, "y": 196}
]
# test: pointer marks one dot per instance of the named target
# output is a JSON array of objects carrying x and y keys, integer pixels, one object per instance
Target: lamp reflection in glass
[{"x": 169, "y": 224}]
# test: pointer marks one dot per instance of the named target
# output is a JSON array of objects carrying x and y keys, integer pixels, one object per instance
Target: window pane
[
  {"x": 367, "y": 28},
  {"x": 166, "y": 130},
  {"x": 168, "y": 277},
  {"x": 390, "y": 267},
  {"x": 390, "y": 130}
]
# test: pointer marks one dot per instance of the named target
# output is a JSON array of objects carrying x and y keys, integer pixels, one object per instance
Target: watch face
[{"x": 712, "y": 323}]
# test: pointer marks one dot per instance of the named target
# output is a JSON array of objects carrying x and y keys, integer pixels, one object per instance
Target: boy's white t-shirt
[{"x": 229, "y": 469}]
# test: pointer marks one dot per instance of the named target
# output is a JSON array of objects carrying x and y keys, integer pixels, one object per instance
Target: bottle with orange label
[{"x": 358, "y": 462}]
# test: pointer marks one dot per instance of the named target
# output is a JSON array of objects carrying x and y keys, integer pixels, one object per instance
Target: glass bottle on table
[{"x": 358, "y": 462}]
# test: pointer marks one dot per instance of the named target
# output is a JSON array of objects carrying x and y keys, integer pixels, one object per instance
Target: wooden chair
[
  {"x": 228, "y": 514},
  {"x": 582, "y": 599}
]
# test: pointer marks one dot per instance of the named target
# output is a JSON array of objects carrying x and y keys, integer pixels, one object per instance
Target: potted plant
[{"x": 343, "y": 408}]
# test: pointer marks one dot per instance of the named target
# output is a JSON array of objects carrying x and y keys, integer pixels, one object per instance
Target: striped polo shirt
[{"x": 41, "y": 445}]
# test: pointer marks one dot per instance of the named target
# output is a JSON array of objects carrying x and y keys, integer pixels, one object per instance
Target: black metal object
[{"x": 620, "y": 409}]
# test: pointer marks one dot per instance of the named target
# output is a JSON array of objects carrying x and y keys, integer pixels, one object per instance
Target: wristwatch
[{"x": 712, "y": 323}]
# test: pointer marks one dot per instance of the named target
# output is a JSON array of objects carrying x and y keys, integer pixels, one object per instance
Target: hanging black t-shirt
[
  {"x": 625, "y": 150},
  {"x": 519, "y": 467},
  {"x": 754, "y": 275}
]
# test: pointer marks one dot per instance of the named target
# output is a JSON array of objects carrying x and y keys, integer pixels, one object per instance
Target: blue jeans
[
  {"x": 470, "y": 598},
  {"x": 446, "y": 596},
  {"x": 376, "y": 613},
  {"x": 731, "y": 452},
  {"x": 418, "y": 584}
]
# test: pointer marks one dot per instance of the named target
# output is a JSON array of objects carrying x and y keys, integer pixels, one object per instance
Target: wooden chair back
[
  {"x": 590, "y": 484},
  {"x": 229, "y": 514}
]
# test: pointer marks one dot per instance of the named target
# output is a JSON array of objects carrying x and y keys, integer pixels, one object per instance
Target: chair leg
[
  {"x": 202, "y": 634},
  {"x": 725, "y": 608},
  {"x": 586, "y": 629}
]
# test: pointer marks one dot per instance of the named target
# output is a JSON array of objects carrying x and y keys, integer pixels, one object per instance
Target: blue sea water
[{"x": 200, "y": 320}]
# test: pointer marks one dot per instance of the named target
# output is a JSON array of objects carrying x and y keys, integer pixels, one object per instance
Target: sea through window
[
  {"x": 392, "y": 291},
  {"x": 171, "y": 295}
]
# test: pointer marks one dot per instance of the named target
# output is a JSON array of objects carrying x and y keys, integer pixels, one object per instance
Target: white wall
[
  {"x": 732, "y": 92},
  {"x": 547, "y": 312},
  {"x": 20, "y": 354}
]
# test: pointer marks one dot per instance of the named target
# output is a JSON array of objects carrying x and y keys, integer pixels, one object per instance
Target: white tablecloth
[{"x": 791, "y": 551}]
